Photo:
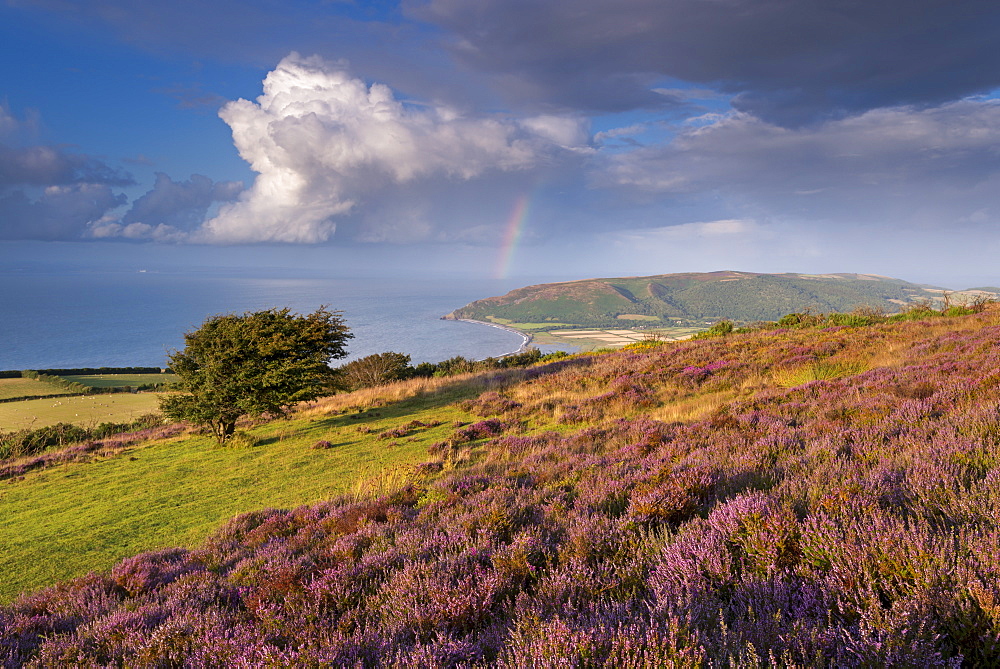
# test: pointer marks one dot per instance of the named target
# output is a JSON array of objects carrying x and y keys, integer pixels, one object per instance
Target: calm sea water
[{"x": 94, "y": 319}]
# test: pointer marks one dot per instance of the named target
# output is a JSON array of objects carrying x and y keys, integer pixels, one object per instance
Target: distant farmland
[
  {"x": 76, "y": 409},
  {"x": 120, "y": 380},
  {"x": 14, "y": 388}
]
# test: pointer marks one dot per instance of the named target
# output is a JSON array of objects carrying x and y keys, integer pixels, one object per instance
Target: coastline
[{"x": 525, "y": 337}]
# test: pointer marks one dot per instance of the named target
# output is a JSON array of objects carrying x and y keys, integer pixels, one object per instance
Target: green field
[
  {"x": 76, "y": 518},
  {"x": 75, "y": 409},
  {"x": 12, "y": 388},
  {"x": 528, "y": 326},
  {"x": 119, "y": 380}
]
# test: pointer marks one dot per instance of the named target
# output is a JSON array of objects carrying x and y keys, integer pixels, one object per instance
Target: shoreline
[{"x": 525, "y": 337}]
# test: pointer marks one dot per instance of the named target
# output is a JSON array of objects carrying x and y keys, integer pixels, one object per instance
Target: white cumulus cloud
[{"x": 324, "y": 142}]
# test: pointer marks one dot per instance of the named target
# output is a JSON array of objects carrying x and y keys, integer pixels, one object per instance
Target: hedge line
[
  {"x": 80, "y": 371},
  {"x": 24, "y": 398},
  {"x": 91, "y": 371},
  {"x": 71, "y": 386}
]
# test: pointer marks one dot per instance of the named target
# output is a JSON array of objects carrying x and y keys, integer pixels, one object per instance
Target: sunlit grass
[
  {"x": 19, "y": 387},
  {"x": 817, "y": 371},
  {"x": 72, "y": 519},
  {"x": 83, "y": 410},
  {"x": 693, "y": 408}
]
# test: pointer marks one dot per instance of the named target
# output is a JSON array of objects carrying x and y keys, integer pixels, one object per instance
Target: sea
[{"x": 56, "y": 319}]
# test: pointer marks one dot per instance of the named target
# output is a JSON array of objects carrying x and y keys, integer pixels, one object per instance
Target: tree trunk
[{"x": 223, "y": 429}]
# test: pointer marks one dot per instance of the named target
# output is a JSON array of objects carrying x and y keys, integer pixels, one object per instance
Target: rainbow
[{"x": 512, "y": 233}]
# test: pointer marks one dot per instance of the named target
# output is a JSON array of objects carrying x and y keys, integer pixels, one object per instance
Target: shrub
[{"x": 242, "y": 439}]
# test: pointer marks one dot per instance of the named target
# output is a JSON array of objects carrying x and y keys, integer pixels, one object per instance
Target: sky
[{"x": 505, "y": 138}]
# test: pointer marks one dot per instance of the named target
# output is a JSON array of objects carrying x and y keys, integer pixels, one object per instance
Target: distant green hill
[{"x": 693, "y": 297}]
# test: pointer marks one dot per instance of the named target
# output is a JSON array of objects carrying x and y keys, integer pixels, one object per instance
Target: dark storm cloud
[{"x": 787, "y": 61}]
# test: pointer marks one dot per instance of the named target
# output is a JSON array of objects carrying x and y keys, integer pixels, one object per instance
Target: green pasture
[
  {"x": 13, "y": 388},
  {"x": 75, "y": 409},
  {"x": 529, "y": 326},
  {"x": 120, "y": 380},
  {"x": 638, "y": 317},
  {"x": 72, "y": 519}
]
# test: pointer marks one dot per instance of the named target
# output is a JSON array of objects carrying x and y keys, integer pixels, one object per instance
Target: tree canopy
[{"x": 254, "y": 364}]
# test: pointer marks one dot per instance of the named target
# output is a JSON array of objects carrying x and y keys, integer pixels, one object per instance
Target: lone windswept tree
[{"x": 253, "y": 364}]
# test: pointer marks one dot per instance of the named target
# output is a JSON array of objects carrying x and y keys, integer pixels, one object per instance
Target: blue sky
[{"x": 599, "y": 137}]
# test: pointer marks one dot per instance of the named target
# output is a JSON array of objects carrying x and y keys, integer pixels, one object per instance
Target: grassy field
[
  {"x": 528, "y": 326},
  {"x": 75, "y": 409},
  {"x": 12, "y": 388},
  {"x": 119, "y": 380},
  {"x": 76, "y": 518}
]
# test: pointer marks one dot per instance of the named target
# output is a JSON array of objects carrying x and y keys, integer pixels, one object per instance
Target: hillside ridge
[{"x": 689, "y": 298}]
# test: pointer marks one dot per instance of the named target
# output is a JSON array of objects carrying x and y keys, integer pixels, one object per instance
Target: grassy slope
[{"x": 77, "y": 518}]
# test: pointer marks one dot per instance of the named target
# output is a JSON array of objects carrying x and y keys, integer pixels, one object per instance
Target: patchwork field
[{"x": 609, "y": 338}]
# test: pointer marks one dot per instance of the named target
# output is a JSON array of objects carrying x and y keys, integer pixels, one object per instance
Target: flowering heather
[
  {"x": 490, "y": 427},
  {"x": 844, "y": 521}
]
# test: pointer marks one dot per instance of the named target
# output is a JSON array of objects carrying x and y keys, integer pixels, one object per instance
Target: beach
[{"x": 525, "y": 337}]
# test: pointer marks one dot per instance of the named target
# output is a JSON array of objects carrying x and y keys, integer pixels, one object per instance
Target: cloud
[
  {"x": 180, "y": 204},
  {"x": 169, "y": 211},
  {"x": 786, "y": 61},
  {"x": 59, "y": 212},
  {"x": 894, "y": 167},
  {"x": 48, "y": 165},
  {"x": 25, "y": 164},
  {"x": 324, "y": 143},
  {"x": 48, "y": 192},
  {"x": 8, "y": 124}
]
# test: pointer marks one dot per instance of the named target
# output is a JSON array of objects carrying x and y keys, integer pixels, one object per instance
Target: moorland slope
[{"x": 811, "y": 496}]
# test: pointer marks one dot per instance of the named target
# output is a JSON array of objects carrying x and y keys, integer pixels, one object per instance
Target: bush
[
  {"x": 376, "y": 370},
  {"x": 720, "y": 329},
  {"x": 242, "y": 439}
]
